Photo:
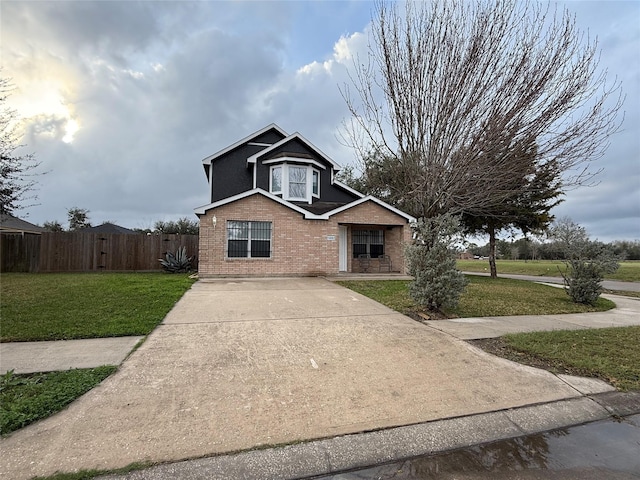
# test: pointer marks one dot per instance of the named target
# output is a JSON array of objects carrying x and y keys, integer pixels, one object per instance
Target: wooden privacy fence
[{"x": 90, "y": 252}]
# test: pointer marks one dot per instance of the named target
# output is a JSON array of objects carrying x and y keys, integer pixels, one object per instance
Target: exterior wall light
[{"x": 214, "y": 221}]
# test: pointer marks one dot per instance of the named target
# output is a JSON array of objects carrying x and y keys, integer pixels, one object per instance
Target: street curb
[{"x": 349, "y": 452}]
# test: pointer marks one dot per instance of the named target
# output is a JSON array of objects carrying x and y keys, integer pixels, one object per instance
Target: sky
[{"x": 121, "y": 101}]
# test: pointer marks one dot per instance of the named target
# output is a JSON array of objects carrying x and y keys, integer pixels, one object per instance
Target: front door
[{"x": 342, "y": 248}]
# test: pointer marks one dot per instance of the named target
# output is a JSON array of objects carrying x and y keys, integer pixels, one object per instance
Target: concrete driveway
[{"x": 239, "y": 364}]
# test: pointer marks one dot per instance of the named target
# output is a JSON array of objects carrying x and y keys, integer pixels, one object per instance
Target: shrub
[
  {"x": 587, "y": 262},
  {"x": 437, "y": 283},
  {"x": 584, "y": 275}
]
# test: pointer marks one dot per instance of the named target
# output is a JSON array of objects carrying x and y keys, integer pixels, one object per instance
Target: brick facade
[{"x": 299, "y": 246}]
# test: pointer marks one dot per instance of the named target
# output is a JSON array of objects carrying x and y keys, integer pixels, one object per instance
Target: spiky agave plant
[{"x": 178, "y": 262}]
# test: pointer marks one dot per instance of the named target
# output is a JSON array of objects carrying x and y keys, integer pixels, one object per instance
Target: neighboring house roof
[
  {"x": 107, "y": 228},
  {"x": 305, "y": 211},
  {"x": 11, "y": 224}
]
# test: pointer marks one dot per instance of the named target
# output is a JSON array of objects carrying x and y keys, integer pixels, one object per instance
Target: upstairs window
[
  {"x": 368, "y": 242},
  {"x": 276, "y": 180},
  {"x": 315, "y": 184},
  {"x": 248, "y": 239},
  {"x": 295, "y": 182}
]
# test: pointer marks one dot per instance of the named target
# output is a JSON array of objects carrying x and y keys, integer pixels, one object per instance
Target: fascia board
[
  {"x": 296, "y": 135},
  {"x": 362, "y": 200},
  {"x": 307, "y": 215},
  {"x": 248, "y": 138},
  {"x": 307, "y": 161}
]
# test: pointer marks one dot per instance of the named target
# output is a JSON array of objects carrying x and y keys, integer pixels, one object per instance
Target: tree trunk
[{"x": 492, "y": 252}]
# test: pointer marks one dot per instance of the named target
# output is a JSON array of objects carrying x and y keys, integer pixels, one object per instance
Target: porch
[{"x": 371, "y": 249}]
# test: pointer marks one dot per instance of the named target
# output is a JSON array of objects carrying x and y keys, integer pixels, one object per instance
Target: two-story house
[{"x": 277, "y": 209}]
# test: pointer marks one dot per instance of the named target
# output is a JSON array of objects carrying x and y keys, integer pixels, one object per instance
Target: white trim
[
  {"x": 255, "y": 176},
  {"x": 409, "y": 218},
  {"x": 307, "y": 215},
  {"x": 254, "y": 158},
  {"x": 248, "y": 138},
  {"x": 343, "y": 260},
  {"x": 308, "y": 161},
  {"x": 259, "y": 144},
  {"x": 314, "y": 171}
]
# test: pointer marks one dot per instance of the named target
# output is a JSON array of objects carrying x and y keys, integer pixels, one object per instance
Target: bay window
[{"x": 295, "y": 182}]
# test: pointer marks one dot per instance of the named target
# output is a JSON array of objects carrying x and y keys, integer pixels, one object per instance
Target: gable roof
[
  {"x": 11, "y": 224},
  {"x": 248, "y": 138},
  {"x": 288, "y": 139},
  {"x": 308, "y": 215}
]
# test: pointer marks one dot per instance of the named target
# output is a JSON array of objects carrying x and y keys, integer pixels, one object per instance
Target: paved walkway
[
  {"x": 608, "y": 284},
  {"x": 242, "y": 364},
  {"x": 30, "y": 357},
  {"x": 626, "y": 313}
]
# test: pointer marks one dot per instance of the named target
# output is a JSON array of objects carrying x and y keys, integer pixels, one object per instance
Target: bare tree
[
  {"x": 16, "y": 171},
  {"x": 452, "y": 88}
]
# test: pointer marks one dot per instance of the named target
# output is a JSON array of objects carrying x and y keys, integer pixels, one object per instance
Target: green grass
[
  {"x": 628, "y": 271},
  {"x": 484, "y": 297},
  {"x": 612, "y": 354},
  {"x": 25, "y": 399},
  {"x": 87, "y": 305},
  {"x": 89, "y": 474}
]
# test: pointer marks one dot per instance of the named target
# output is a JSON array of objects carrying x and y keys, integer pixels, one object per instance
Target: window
[
  {"x": 295, "y": 182},
  {"x": 315, "y": 184},
  {"x": 248, "y": 239},
  {"x": 276, "y": 180},
  {"x": 368, "y": 242}
]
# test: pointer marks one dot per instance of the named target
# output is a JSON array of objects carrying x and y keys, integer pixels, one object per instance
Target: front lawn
[
  {"x": 86, "y": 305},
  {"x": 484, "y": 297},
  {"x": 628, "y": 272},
  {"x": 27, "y": 398},
  {"x": 611, "y": 354}
]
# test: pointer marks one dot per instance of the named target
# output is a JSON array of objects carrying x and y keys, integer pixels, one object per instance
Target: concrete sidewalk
[
  {"x": 245, "y": 364},
  {"x": 608, "y": 284},
  {"x": 626, "y": 313},
  {"x": 31, "y": 357}
]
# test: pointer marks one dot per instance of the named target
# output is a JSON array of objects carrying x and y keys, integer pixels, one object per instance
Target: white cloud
[{"x": 122, "y": 100}]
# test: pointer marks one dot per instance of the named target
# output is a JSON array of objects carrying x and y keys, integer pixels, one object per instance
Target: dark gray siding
[
  {"x": 270, "y": 137},
  {"x": 231, "y": 175},
  {"x": 293, "y": 146},
  {"x": 333, "y": 193}
]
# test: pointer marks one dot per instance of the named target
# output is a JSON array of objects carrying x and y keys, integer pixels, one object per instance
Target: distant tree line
[
  {"x": 78, "y": 218},
  {"x": 537, "y": 249}
]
